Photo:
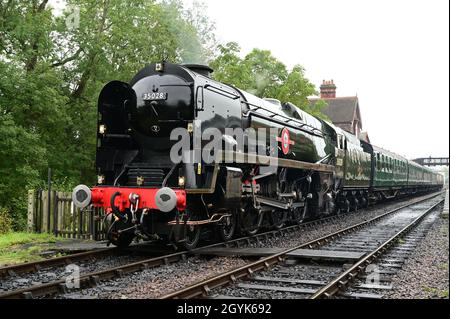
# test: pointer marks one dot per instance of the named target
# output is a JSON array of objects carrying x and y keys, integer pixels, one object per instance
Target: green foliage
[
  {"x": 316, "y": 109},
  {"x": 268, "y": 74},
  {"x": 22, "y": 159},
  {"x": 263, "y": 75},
  {"x": 51, "y": 72},
  {"x": 5, "y": 221},
  {"x": 229, "y": 67}
]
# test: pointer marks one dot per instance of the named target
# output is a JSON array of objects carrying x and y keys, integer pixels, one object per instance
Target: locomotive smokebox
[{"x": 200, "y": 69}]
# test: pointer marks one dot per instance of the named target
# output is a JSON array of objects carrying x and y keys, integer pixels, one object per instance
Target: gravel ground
[
  {"x": 301, "y": 271},
  {"x": 292, "y": 240},
  {"x": 156, "y": 282},
  {"x": 159, "y": 281},
  {"x": 425, "y": 274},
  {"x": 56, "y": 273}
]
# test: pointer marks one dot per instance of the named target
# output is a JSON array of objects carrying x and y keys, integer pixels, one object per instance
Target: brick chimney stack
[{"x": 328, "y": 90}]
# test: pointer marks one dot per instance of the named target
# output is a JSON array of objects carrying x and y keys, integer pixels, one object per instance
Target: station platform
[{"x": 446, "y": 209}]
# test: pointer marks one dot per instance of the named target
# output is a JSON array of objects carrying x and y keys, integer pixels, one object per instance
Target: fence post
[
  {"x": 39, "y": 211},
  {"x": 55, "y": 213},
  {"x": 94, "y": 224},
  {"x": 49, "y": 199},
  {"x": 80, "y": 223},
  {"x": 45, "y": 216},
  {"x": 31, "y": 211}
]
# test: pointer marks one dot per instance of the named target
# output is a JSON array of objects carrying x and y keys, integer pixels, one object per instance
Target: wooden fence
[{"x": 63, "y": 218}]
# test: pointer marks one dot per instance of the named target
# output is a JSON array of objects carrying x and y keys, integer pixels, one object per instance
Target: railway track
[
  {"x": 94, "y": 255},
  {"x": 32, "y": 267},
  {"x": 91, "y": 279},
  {"x": 337, "y": 259}
]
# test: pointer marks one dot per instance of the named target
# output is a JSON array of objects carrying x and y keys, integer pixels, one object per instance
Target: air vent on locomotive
[{"x": 145, "y": 177}]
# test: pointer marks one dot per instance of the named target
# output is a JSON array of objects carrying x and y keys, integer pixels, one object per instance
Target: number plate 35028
[{"x": 154, "y": 96}]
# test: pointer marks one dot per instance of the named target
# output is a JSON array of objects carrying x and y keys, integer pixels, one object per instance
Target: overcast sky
[{"x": 393, "y": 54}]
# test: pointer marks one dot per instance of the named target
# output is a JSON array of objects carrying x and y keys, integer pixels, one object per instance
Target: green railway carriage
[
  {"x": 357, "y": 164},
  {"x": 390, "y": 171},
  {"x": 365, "y": 173},
  {"x": 353, "y": 161},
  {"x": 422, "y": 176},
  {"x": 415, "y": 174},
  {"x": 438, "y": 179},
  {"x": 352, "y": 170}
]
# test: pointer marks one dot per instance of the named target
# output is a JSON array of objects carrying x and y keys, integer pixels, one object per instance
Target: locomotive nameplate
[{"x": 154, "y": 96}]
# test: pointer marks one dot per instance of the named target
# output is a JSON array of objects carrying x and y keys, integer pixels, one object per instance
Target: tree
[
  {"x": 296, "y": 89},
  {"x": 22, "y": 158},
  {"x": 268, "y": 74},
  {"x": 203, "y": 32},
  {"x": 263, "y": 75},
  {"x": 52, "y": 71},
  {"x": 230, "y": 68}
]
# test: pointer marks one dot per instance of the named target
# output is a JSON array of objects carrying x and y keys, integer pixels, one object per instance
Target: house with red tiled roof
[{"x": 344, "y": 112}]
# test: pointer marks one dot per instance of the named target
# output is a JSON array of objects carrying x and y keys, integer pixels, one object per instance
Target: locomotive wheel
[
  {"x": 278, "y": 219},
  {"x": 345, "y": 208},
  {"x": 227, "y": 229},
  {"x": 300, "y": 214},
  {"x": 192, "y": 236},
  {"x": 251, "y": 220},
  {"x": 355, "y": 204},
  {"x": 121, "y": 240},
  {"x": 365, "y": 202}
]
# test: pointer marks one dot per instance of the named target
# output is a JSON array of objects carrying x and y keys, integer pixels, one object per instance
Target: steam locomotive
[{"x": 304, "y": 168}]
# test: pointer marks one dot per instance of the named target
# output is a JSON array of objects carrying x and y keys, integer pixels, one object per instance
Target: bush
[
  {"x": 18, "y": 212},
  {"x": 5, "y": 221}
]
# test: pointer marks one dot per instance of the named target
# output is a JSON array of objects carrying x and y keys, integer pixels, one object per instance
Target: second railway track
[{"x": 322, "y": 268}]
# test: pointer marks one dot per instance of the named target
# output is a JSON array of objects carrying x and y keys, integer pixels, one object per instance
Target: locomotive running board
[
  {"x": 262, "y": 160},
  {"x": 268, "y": 160},
  {"x": 272, "y": 202}
]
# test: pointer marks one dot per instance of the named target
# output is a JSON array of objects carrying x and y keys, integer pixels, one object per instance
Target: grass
[
  {"x": 23, "y": 247},
  {"x": 436, "y": 292},
  {"x": 443, "y": 266}
]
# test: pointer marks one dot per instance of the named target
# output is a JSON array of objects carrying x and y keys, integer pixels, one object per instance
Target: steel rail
[
  {"x": 92, "y": 279},
  {"x": 35, "y": 266},
  {"x": 31, "y": 267},
  {"x": 203, "y": 288},
  {"x": 342, "y": 281}
]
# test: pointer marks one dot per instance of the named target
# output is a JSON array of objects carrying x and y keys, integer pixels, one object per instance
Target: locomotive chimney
[
  {"x": 200, "y": 69},
  {"x": 328, "y": 90}
]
